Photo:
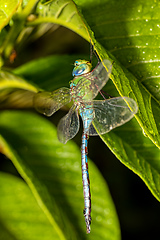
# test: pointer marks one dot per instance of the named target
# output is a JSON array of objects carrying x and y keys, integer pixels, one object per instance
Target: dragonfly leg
[
  {"x": 86, "y": 182},
  {"x": 105, "y": 93},
  {"x": 93, "y": 51}
]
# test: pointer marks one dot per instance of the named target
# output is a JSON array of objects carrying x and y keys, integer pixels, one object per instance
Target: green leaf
[
  {"x": 20, "y": 215},
  {"x": 15, "y": 92},
  {"x": 53, "y": 173},
  {"x": 9, "y": 80},
  {"x": 135, "y": 150},
  {"x": 46, "y": 73},
  {"x": 129, "y": 31},
  {"x": 7, "y": 9},
  {"x": 63, "y": 12}
]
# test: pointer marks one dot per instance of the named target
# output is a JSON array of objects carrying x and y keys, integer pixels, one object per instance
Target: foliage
[{"x": 127, "y": 33}]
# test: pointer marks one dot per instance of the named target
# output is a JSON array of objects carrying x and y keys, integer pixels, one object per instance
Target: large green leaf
[
  {"x": 130, "y": 32},
  {"x": 46, "y": 73},
  {"x": 9, "y": 80},
  {"x": 7, "y": 9},
  {"x": 15, "y": 92},
  {"x": 61, "y": 12},
  {"x": 136, "y": 151},
  {"x": 20, "y": 215},
  {"x": 53, "y": 172}
]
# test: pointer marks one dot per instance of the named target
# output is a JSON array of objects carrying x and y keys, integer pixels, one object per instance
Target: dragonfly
[{"x": 98, "y": 116}]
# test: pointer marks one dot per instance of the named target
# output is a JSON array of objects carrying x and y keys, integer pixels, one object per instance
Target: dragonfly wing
[
  {"x": 88, "y": 85},
  {"x": 68, "y": 125},
  {"x": 101, "y": 75},
  {"x": 112, "y": 113},
  {"x": 49, "y": 102}
]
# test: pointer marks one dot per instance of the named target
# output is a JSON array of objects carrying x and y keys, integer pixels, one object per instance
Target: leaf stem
[{"x": 19, "y": 21}]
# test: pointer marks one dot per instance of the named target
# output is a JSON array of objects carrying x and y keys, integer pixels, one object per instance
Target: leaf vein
[{"x": 59, "y": 12}]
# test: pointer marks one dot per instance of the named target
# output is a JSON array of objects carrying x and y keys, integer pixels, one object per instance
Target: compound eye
[{"x": 76, "y": 63}]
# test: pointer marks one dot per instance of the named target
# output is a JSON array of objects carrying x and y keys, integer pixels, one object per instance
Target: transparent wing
[
  {"x": 101, "y": 75},
  {"x": 111, "y": 113},
  {"x": 68, "y": 125},
  {"x": 88, "y": 85},
  {"x": 49, "y": 102}
]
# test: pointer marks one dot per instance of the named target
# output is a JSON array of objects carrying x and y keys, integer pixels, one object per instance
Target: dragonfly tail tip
[{"x": 88, "y": 229}]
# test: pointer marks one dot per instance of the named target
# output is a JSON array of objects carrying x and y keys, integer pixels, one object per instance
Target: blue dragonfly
[{"x": 98, "y": 116}]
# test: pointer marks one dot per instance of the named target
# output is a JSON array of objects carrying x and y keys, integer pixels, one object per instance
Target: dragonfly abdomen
[
  {"x": 87, "y": 115},
  {"x": 86, "y": 182}
]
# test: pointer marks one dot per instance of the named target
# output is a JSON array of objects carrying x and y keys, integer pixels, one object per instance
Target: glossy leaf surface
[
  {"x": 129, "y": 31},
  {"x": 21, "y": 217},
  {"x": 7, "y": 9},
  {"x": 53, "y": 172},
  {"x": 62, "y": 12}
]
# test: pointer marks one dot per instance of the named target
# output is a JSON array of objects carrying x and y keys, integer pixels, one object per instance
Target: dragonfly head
[{"x": 81, "y": 67}]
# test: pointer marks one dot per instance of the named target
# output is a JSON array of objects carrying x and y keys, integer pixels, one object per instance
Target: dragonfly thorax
[
  {"x": 80, "y": 88},
  {"x": 81, "y": 67}
]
